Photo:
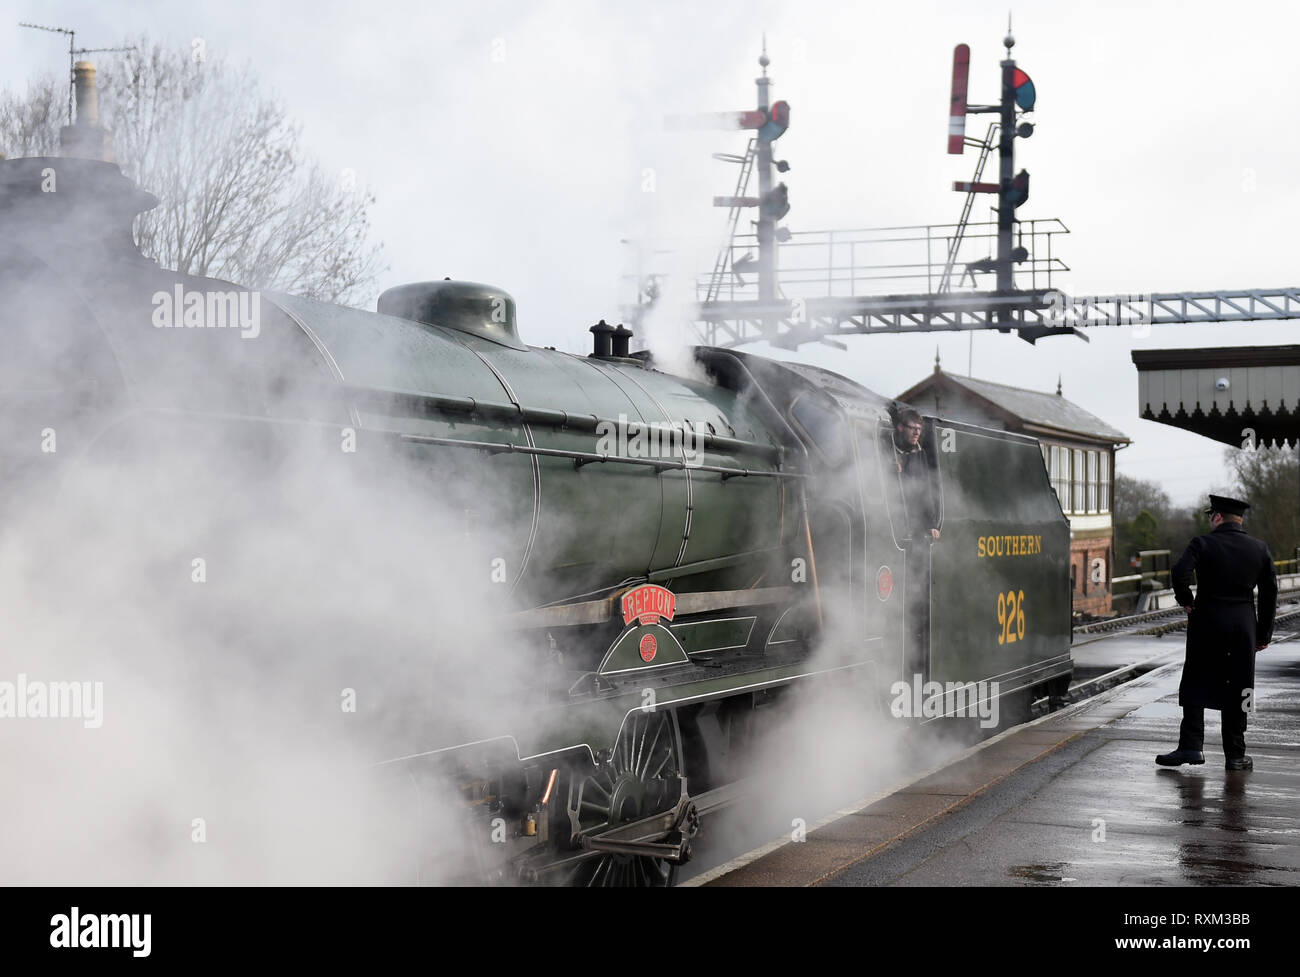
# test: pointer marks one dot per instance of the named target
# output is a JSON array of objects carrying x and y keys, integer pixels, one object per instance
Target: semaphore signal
[{"x": 846, "y": 281}]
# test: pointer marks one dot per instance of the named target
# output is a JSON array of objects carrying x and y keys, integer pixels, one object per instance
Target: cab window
[{"x": 825, "y": 427}]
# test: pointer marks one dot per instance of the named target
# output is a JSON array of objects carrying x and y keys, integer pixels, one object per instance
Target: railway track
[
  {"x": 1287, "y": 613},
  {"x": 1165, "y": 621},
  {"x": 1156, "y": 624}
]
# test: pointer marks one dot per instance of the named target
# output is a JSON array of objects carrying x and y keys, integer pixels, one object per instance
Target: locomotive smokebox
[{"x": 481, "y": 310}]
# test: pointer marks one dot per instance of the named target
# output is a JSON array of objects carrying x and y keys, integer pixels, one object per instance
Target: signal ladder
[
  {"x": 723, "y": 266},
  {"x": 986, "y": 147}
]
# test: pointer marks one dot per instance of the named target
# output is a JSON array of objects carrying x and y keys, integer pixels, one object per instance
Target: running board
[{"x": 600, "y": 611}]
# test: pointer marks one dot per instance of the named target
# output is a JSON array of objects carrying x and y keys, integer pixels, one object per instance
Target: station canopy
[{"x": 1233, "y": 394}]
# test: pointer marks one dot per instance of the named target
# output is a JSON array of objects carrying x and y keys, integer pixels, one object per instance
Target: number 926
[{"x": 1011, "y": 616}]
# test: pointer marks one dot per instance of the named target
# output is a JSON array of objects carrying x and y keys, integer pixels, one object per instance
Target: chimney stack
[
  {"x": 87, "y": 94},
  {"x": 85, "y": 139},
  {"x": 604, "y": 343},
  {"x": 622, "y": 336}
]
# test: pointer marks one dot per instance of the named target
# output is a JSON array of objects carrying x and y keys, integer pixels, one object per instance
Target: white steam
[{"x": 266, "y": 625}]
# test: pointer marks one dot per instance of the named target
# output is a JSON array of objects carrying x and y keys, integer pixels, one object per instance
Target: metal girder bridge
[{"x": 1032, "y": 314}]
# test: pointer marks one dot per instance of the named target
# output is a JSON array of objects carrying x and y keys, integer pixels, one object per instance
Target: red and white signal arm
[{"x": 957, "y": 105}]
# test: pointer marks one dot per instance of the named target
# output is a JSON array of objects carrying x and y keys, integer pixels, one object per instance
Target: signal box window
[
  {"x": 1103, "y": 486},
  {"x": 1092, "y": 481},
  {"x": 1078, "y": 481}
]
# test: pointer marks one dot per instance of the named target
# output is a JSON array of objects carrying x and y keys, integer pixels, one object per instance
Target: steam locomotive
[{"x": 681, "y": 550}]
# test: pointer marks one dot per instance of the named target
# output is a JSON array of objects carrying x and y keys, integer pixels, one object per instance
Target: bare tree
[
  {"x": 239, "y": 199},
  {"x": 1269, "y": 479},
  {"x": 1135, "y": 495},
  {"x": 29, "y": 123}
]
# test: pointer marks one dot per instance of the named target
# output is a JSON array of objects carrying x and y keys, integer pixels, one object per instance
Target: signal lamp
[
  {"x": 775, "y": 203},
  {"x": 1019, "y": 191},
  {"x": 778, "y": 120}
]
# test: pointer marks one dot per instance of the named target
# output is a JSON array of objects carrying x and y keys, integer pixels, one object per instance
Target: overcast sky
[{"x": 507, "y": 142}]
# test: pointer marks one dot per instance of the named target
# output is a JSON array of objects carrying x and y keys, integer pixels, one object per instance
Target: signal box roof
[{"x": 1017, "y": 409}]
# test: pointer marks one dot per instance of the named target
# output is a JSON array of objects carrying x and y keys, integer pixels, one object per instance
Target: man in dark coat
[
  {"x": 917, "y": 481},
  {"x": 1223, "y": 632},
  {"x": 911, "y": 463}
]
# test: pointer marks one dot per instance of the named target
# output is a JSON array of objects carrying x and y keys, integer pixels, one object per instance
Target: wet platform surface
[
  {"x": 1097, "y": 657},
  {"x": 1077, "y": 799}
]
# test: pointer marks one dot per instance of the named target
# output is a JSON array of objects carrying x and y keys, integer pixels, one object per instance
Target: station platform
[
  {"x": 1098, "y": 657},
  {"x": 1076, "y": 799}
]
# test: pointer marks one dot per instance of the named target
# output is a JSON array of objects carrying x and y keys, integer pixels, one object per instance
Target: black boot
[
  {"x": 1240, "y": 763},
  {"x": 1180, "y": 756}
]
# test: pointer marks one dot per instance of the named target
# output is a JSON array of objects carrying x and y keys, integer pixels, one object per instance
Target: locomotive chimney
[
  {"x": 87, "y": 94},
  {"x": 604, "y": 333},
  {"x": 622, "y": 335},
  {"x": 85, "y": 139}
]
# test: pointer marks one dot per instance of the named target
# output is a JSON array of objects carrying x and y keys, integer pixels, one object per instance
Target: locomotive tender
[{"x": 685, "y": 549}]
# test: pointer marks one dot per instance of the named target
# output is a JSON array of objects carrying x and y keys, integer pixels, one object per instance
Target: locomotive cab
[{"x": 982, "y": 609}]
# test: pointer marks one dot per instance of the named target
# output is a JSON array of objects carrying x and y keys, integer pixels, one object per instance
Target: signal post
[{"x": 1012, "y": 189}]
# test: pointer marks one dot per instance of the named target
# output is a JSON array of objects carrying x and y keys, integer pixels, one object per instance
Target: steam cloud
[{"x": 269, "y": 617}]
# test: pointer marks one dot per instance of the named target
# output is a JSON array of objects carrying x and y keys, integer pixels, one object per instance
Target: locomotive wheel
[{"x": 640, "y": 778}]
